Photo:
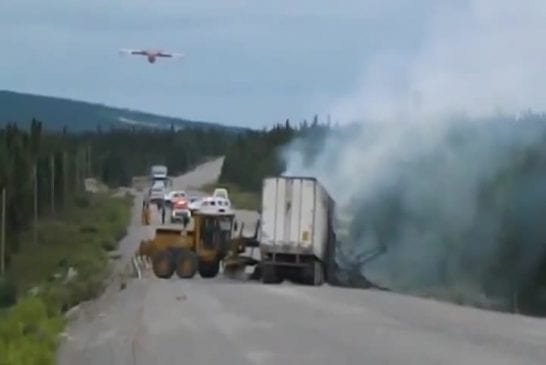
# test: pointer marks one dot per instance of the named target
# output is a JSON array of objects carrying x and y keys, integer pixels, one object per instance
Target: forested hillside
[{"x": 58, "y": 113}]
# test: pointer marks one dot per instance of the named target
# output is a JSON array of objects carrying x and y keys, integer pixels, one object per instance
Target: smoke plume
[{"x": 442, "y": 176}]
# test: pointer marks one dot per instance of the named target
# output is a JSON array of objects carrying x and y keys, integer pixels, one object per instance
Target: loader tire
[
  {"x": 186, "y": 264},
  {"x": 271, "y": 275},
  {"x": 209, "y": 269},
  {"x": 162, "y": 264}
]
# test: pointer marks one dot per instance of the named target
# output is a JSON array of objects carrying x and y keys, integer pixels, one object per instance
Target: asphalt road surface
[{"x": 221, "y": 321}]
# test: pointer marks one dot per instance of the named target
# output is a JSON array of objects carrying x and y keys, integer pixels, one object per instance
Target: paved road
[{"x": 219, "y": 321}]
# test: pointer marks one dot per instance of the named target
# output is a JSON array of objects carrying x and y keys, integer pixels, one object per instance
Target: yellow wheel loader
[{"x": 200, "y": 248}]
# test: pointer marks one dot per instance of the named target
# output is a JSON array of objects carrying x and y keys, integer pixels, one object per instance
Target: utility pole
[
  {"x": 77, "y": 169},
  {"x": 35, "y": 225},
  {"x": 3, "y": 235},
  {"x": 52, "y": 172},
  {"x": 65, "y": 178},
  {"x": 90, "y": 164}
]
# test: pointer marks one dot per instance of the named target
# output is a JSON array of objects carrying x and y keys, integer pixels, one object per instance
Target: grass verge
[
  {"x": 239, "y": 198},
  {"x": 68, "y": 265}
]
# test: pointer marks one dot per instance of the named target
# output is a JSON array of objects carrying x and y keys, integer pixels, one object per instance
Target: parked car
[
  {"x": 180, "y": 212},
  {"x": 194, "y": 202},
  {"x": 216, "y": 204},
  {"x": 174, "y": 195},
  {"x": 156, "y": 194}
]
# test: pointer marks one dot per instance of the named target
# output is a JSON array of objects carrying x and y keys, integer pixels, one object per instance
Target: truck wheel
[
  {"x": 162, "y": 264},
  {"x": 270, "y": 275},
  {"x": 313, "y": 274},
  {"x": 318, "y": 277},
  {"x": 209, "y": 269},
  {"x": 186, "y": 264}
]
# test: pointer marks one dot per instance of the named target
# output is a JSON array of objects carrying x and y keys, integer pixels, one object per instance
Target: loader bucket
[{"x": 235, "y": 265}]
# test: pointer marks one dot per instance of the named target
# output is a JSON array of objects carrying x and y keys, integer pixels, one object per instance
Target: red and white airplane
[{"x": 151, "y": 54}]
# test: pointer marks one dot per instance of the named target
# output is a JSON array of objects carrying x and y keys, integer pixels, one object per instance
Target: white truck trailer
[
  {"x": 158, "y": 172},
  {"x": 296, "y": 233}
]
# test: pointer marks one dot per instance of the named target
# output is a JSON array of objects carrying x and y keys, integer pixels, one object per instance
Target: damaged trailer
[{"x": 296, "y": 235}]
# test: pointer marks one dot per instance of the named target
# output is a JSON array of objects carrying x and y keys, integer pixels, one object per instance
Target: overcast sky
[{"x": 248, "y": 63}]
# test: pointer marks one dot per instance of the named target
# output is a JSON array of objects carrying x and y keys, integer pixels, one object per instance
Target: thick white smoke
[
  {"x": 434, "y": 172},
  {"x": 480, "y": 57}
]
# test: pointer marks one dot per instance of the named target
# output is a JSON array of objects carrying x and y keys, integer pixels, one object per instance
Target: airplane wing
[
  {"x": 132, "y": 51},
  {"x": 170, "y": 55}
]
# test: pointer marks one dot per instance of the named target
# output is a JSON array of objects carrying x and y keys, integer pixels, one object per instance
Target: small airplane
[{"x": 151, "y": 54}]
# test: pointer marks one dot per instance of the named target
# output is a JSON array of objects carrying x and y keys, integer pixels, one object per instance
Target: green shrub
[
  {"x": 121, "y": 233},
  {"x": 28, "y": 333},
  {"x": 56, "y": 299},
  {"x": 109, "y": 245},
  {"x": 88, "y": 229},
  {"x": 83, "y": 290},
  {"x": 8, "y": 293},
  {"x": 82, "y": 201},
  {"x": 77, "y": 239}
]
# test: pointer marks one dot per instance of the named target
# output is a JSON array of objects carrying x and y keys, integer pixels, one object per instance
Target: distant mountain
[{"x": 56, "y": 113}]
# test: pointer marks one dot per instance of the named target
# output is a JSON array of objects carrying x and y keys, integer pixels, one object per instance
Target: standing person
[
  {"x": 144, "y": 211},
  {"x": 147, "y": 209},
  {"x": 186, "y": 219},
  {"x": 163, "y": 212}
]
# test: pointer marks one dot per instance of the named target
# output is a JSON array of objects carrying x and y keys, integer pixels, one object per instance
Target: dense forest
[
  {"x": 52, "y": 166},
  {"x": 119, "y": 154}
]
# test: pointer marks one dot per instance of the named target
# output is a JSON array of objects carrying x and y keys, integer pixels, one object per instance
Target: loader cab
[{"x": 215, "y": 231}]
